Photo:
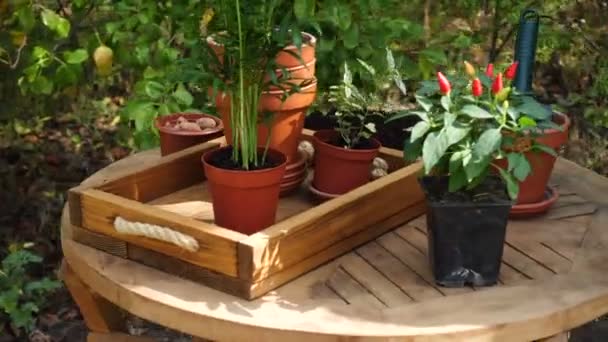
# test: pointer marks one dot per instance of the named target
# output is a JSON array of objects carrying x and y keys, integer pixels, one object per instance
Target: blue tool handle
[{"x": 525, "y": 49}]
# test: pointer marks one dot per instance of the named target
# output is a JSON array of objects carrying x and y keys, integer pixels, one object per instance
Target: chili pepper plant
[{"x": 470, "y": 120}]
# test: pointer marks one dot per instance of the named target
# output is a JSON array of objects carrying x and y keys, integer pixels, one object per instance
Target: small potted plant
[
  {"x": 344, "y": 155},
  {"x": 466, "y": 125},
  {"x": 182, "y": 130},
  {"x": 244, "y": 178},
  {"x": 543, "y": 133},
  {"x": 289, "y": 87}
]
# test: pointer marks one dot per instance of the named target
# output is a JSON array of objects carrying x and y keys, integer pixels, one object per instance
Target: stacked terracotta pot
[{"x": 288, "y": 119}]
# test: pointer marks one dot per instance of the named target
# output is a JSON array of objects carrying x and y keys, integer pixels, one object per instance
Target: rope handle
[{"x": 152, "y": 231}]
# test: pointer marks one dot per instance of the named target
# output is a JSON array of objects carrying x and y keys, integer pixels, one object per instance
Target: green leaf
[
  {"x": 519, "y": 166},
  {"x": 545, "y": 148},
  {"x": 370, "y": 69},
  {"x": 435, "y": 56},
  {"x": 351, "y": 37},
  {"x": 163, "y": 109},
  {"x": 412, "y": 150},
  {"x": 475, "y": 167},
  {"x": 66, "y": 75},
  {"x": 488, "y": 142},
  {"x": 523, "y": 169},
  {"x": 42, "y": 85},
  {"x": 390, "y": 60},
  {"x": 424, "y": 102},
  {"x": 512, "y": 184},
  {"x": 406, "y": 113},
  {"x": 56, "y": 23},
  {"x": 457, "y": 180},
  {"x": 434, "y": 147},
  {"x": 534, "y": 109},
  {"x": 303, "y": 8},
  {"x": 456, "y": 132},
  {"x": 446, "y": 103},
  {"x": 456, "y": 160},
  {"x": 27, "y": 20},
  {"x": 76, "y": 56},
  {"x": 141, "y": 112},
  {"x": 526, "y": 122},
  {"x": 419, "y": 130},
  {"x": 343, "y": 16},
  {"x": 183, "y": 96},
  {"x": 154, "y": 89},
  {"x": 476, "y": 112}
]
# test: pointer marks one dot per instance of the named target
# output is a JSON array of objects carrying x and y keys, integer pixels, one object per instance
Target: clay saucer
[
  {"x": 291, "y": 185},
  {"x": 534, "y": 209},
  {"x": 297, "y": 164},
  {"x": 320, "y": 195}
]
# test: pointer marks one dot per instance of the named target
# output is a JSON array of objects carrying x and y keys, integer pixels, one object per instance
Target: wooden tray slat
[{"x": 217, "y": 245}]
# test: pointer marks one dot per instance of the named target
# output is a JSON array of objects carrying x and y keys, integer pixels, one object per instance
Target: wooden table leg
[{"x": 100, "y": 316}]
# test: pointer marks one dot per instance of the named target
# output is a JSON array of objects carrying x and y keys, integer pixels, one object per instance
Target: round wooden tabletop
[{"x": 554, "y": 277}]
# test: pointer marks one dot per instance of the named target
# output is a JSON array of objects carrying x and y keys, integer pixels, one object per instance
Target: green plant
[
  {"x": 463, "y": 131},
  {"x": 250, "y": 34},
  {"x": 21, "y": 295},
  {"x": 357, "y": 106}
]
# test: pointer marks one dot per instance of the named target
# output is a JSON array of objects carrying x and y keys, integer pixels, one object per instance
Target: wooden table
[{"x": 554, "y": 277}]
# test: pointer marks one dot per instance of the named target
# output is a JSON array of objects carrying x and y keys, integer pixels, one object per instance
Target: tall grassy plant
[{"x": 252, "y": 33}]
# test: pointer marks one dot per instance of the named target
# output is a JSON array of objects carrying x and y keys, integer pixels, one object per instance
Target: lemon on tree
[{"x": 103, "y": 56}]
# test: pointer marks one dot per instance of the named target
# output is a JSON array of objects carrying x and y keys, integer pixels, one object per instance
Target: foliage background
[{"x": 61, "y": 119}]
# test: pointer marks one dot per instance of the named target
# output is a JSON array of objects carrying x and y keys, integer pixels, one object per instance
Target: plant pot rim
[
  {"x": 204, "y": 158},
  {"x": 548, "y": 131},
  {"x": 306, "y": 89},
  {"x": 317, "y": 135},
  {"x": 309, "y": 39},
  {"x": 218, "y": 128},
  {"x": 461, "y": 204}
]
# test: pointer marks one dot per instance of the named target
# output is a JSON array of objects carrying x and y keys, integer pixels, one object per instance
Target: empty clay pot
[
  {"x": 244, "y": 201},
  {"x": 339, "y": 170},
  {"x": 173, "y": 140},
  {"x": 286, "y": 58}
]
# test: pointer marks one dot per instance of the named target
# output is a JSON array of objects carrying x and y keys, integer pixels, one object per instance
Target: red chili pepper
[
  {"x": 497, "y": 85},
  {"x": 444, "y": 85},
  {"x": 477, "y": 88},
  {"x": 490, "y": 70},
  {"x": 511, "y": 71}
]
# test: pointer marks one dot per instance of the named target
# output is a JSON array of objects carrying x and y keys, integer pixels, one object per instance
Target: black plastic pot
[{"x": 465, "y": 237}]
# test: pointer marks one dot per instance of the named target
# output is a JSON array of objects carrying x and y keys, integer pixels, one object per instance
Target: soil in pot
[
  {"x": 339, "y": 170},
  {"x": 182, "y": 130},
  {"x": 466, "y": 231},
  {"x": 533, "y": 188},
  {"x": 244, "y": 200}
]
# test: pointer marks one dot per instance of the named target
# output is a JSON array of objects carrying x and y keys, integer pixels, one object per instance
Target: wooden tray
[{"x": 172, "y": 193}]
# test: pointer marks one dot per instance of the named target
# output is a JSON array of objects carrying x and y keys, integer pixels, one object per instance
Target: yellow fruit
[
  {"x": 103, "y": 56},
  {"x": 17, "y": 38}
]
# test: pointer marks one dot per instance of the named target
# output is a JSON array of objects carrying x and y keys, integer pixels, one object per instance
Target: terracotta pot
[
  {"x": 172, "y": 140},
  {"x": 286, "y": 58},
  {"x": 244, "y": 201},
  {"x": 339, "y": 170},
  {"x": 287, "y": 123},
  {"x": 533, "y": 188}
]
